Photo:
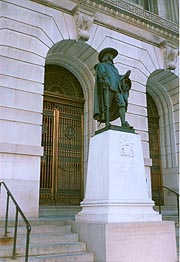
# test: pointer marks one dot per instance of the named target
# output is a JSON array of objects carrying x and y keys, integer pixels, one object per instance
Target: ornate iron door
[{"x": 62, "y": 164}]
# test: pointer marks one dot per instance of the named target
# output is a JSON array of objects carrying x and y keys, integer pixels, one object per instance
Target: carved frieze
[{"x": 83, "y": 20}]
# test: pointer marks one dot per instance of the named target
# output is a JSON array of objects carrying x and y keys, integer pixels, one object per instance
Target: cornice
[
  {"x": 117, "y": 6},
  {"x": 132, "y": 14},
  {"x": 162, "y": 29}
]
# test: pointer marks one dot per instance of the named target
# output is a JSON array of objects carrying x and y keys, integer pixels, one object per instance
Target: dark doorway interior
[{"x": 154, "y": 141}]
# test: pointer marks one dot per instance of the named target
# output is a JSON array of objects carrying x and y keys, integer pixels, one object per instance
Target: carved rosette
[
  {"x": 83, "y": 20},
  {"x": 170, "y": 55}
]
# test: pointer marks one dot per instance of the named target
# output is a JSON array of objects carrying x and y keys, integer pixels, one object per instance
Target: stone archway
[
  {"x": 78, "y": 59},
  {"x": 154, "y": 143},
  {"x": 162, "y": 86},
  {"x": 62, "y": 172}
]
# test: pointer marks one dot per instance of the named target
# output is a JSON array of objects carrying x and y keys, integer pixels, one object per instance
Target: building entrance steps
[
  {"x": 50, "y": 240},
  {"x": 60, "y": 212}
]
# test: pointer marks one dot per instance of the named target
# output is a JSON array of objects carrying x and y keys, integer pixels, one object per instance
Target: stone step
[
  {"x": 38, "y": 229},
  {"x": 71, "y": 257},
  {"x": 51, "y": 240},
  {"x": 62, "y": 212},
  {"x": 170, "y": 217},
  {"x": 168, "y": 212},
  {"x": 37, "y": 250},
  {"x": 34, "y": 222},
  {"x": 55, "y": 238}
]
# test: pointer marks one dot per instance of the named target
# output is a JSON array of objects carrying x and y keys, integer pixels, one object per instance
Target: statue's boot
[
  {"x": 124, "y": 123},
  {"x": 122, "y": 115}
]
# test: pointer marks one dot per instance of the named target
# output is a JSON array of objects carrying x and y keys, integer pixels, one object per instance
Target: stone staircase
[{"x": 51, "y": 240}]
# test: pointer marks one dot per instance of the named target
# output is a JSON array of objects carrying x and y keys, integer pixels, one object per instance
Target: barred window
[
  {"x": 167, "y": 9},
  {"x": 172, "y": 11},
  {"x": 149, "y": 5}
]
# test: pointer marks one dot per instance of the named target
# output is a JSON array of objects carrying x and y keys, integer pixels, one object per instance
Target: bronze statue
[{"x": 111, "y": 90}]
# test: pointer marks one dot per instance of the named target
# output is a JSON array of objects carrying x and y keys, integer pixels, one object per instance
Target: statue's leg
[
  {"x": 122, "y": 107},
  {"x": 124, "y": 123},
  {"x": 122, "y": 104},
  {"x": 122, "y": 115},
  {"x": 108, "y": 97},
  {"x": 107, "y": 106}
]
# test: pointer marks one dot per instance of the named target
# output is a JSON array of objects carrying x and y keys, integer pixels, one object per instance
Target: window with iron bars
[
  {"x": 164, "y": 8},
  {"x": 149, "y": 5}
]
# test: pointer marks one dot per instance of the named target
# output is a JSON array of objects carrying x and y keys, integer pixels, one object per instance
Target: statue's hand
[{"x": 106, "y": 82}]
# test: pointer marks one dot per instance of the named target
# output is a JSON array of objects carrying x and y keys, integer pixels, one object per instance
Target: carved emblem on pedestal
[{"x": 126, "y": 147}]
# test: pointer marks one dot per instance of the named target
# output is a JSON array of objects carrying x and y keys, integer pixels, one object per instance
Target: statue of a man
[{"x": 111, "y": 90}]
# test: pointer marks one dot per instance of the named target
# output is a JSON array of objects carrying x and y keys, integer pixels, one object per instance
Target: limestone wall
[{"x": 29, "y": 30}]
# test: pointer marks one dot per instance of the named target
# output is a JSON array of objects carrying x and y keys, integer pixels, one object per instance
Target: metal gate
[{"x": 61, "y": 179}]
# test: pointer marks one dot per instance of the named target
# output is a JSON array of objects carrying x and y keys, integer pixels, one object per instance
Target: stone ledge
[
  {"x": 116, "y": 128},
  {"x": 9, "y": 148}
]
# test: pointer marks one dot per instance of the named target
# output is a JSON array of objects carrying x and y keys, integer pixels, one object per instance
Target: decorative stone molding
[
  {"x": 132, "y": 14},
  {"x": 9, "y": 148},
  {"x": 83, "y": 20},
  {"x": 170, "y": 55},
  {"x": 125, "y": 11}
]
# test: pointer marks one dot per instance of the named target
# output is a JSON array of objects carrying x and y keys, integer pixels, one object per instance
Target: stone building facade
[{"x": 48, "y": 52}]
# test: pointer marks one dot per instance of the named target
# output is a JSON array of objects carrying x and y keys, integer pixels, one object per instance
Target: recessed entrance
[
  {"x": 62, "y": 163},
  {"x": 155, "y": 155}
]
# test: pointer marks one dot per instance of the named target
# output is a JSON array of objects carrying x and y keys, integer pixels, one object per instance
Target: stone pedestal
[
  {"x": 117, "y": 220},
  {"x": 116, "y": 189},
  {"x": 129, "y": 242}
]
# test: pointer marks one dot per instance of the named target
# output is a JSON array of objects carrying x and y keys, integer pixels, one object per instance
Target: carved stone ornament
[
  {"x": 83, "y": 20},
  {"x": 126, "y": 147},
  {"x": 170, "y": 55}
]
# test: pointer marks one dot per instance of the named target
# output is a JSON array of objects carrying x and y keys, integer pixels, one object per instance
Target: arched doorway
[
  {"x": 155, "y": 154},
  {"x": 162, "y": 86},
  {"x": 62, "y": 168}
]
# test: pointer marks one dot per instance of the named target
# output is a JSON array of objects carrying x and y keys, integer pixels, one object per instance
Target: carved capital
[
  {"x": 83, "y": 20},
  {"x": 170, "y": 55}
]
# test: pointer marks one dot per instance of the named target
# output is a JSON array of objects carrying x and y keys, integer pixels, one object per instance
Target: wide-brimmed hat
[{"x": 111, "y": 50}]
